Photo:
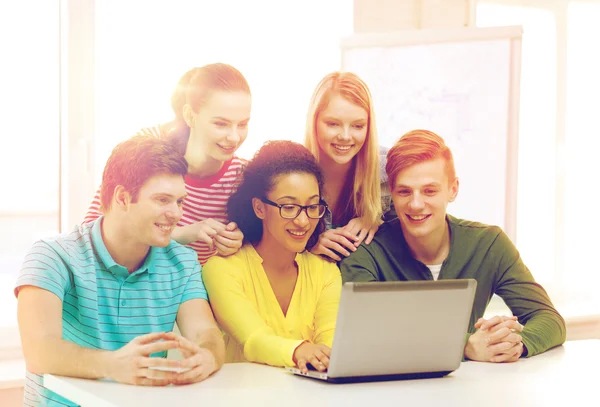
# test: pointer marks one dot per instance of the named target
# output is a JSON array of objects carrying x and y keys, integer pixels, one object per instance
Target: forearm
[
  {"x": 58, "y": 356},
  {"x": 212, "y": 340},
  {"x": 544, "y": 330},
  {"x": 271, "y": 349},
  {"x": 180, "y": 235}
]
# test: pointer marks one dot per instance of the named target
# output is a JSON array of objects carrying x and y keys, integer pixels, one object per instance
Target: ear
[
  {"x": 259, "y": 208},
  {"x": 121, "y": 198},
  {"x": 189, "y": 115},
  {"x": 453, "y": 190}
]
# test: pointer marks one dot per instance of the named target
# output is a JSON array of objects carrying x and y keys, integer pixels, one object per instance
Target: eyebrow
[
  {"x": 294, "y": 198},
  {"x": 227, "y": 120},
  {"x": 431, "y": 184},
  {"x": 337, "y": 119},
  {"x": 169, "y": 195}
]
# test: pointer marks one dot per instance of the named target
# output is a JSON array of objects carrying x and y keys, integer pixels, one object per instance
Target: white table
[{"x": 563, "y": 376}]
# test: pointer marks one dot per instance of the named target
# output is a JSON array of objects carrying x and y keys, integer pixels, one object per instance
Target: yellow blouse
[{"x": 247, "y": 310}]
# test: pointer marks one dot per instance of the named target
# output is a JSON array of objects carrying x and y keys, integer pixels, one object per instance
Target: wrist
[{"x": 106, "y": 361}]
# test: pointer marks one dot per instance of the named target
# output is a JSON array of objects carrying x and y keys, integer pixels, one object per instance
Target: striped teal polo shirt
[{"x": 105, "y": 306}]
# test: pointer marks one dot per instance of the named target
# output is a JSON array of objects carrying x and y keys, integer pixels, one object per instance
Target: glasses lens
[
  {"x": 290, "y": 211},
  {"x": 316, "y": 211}
]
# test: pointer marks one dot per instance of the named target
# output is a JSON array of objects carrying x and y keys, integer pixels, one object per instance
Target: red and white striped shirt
[{"x": 207, "y": 198}]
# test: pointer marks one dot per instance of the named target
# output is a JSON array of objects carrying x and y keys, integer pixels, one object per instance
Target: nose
[
  {"x": 175, "y": 212},
  {"x": 234, "y": 135},
  {"x": 344, "y": 134},
  {"x": 302, "y": 219},
  {"x": 416, "y": 202}
]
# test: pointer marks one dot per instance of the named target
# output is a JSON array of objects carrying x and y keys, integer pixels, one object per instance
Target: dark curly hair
[{"x": 276, "y": 157}]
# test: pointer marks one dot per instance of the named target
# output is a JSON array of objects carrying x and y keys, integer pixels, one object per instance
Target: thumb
[{"x": 231, "y": 226}]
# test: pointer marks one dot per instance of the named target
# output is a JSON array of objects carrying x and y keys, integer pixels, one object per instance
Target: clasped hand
[
  {"x": 496, "y": 340},
  {"x": 132, "y": 363}
]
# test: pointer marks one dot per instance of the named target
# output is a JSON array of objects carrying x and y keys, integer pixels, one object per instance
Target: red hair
[{"x": 415, "y": 147}]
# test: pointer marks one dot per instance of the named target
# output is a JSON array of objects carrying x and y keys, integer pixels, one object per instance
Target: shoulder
[
  {"x": 473, "y": 229},
  {"x": 234, "y": 264},
  {"x": 176, "y": 255},
  {"x": 471, "y": 235},
  {"x": 75, "y": 244}
]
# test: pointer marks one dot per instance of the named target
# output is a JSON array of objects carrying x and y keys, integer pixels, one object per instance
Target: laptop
[{"x": 398, "y": 330}]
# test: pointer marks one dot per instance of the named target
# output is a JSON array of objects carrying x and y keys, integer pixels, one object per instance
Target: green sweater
[{"x": 477, "y": 251}]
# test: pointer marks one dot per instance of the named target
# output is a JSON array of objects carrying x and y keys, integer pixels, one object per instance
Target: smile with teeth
[
  {"x": 227, "y": 148},
  {"x": 417, "y": 217},
  {"x": 341, "y": 147},
  {"x": 298, "y": 232},
  {"x": 166, "y": 228}
]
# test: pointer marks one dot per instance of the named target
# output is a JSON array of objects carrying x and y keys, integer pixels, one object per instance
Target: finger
[
  {"x": 494, "y": 321},
  {"x": 231, "y": 226},
  {"x": 479, "y": 322},
  {"x": 195, "y": 375},
  {"x": 144, "y": 381},
  {"x": 342, "y": 232},
  {"x": 323, "y": 359},
  {"x": 231, "y": 234},
  {"x": 371, "y": 235},
  {"x": 500, "y": 348},
  {"x": 302, "y": 365},
  {"x": 326, "y": 252},
  {"x": 152, "y": 337},
  {"x": 341, "y": 240},
  {"x": 159, "y": 375},
  {"x": 362, "y": 233},
  {"x": 227, "y": 242},
  {"x": 148, "y": 362},
  {"x": 214, "y": 224},
  {"x": 509, "y": 355},
  {"x": 316, "y": 362},
  {"x": 326, "y": 350},
  {"x": 155, "y": 347},
  {"x": 205, "y": 237},
  {"x": 498, "y": 336},
  {"x": 508, "y": 323}
]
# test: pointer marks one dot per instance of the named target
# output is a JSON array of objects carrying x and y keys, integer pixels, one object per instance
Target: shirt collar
[{"x": 107, "y": 259}]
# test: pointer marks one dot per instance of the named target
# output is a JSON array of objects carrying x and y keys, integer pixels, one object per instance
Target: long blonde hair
[{"x": 366, "y": 189}]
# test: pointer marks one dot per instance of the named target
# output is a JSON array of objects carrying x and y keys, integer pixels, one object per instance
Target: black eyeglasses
[{"x": 292, "y": 211}]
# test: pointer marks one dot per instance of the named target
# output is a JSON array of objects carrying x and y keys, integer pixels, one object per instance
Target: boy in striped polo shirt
[{"x": 99, "y": 301}]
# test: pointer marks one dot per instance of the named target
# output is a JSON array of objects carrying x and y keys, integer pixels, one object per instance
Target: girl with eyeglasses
[{"x": 276, "y": 301}]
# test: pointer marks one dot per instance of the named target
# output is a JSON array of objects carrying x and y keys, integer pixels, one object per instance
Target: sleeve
[
  {"x": 238, "y": 316},
  {"x": 359, "y": 266},
  {"x": 194, "y": 288},
  {"x": 44, "y": 268},
  {"x": 544, "y": 327},
  {"x": 93, "y": 211},
  {"x": 327, "y": 305}
]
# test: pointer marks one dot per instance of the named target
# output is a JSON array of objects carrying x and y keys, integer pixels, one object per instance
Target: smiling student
[
  {"x": 99, "y": 301},
  {"x": 420, "y": 241},
  {"x": 341, "y": 134},
  {"x": 277, "y": 302},
  {"x": 212, "y": 110}
]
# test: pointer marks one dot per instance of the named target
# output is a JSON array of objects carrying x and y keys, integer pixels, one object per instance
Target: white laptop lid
[{"x": 401, "y": 327}]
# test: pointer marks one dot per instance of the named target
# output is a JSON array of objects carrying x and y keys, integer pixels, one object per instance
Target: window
[
  {"x": 29, "y": 102},
  {"x": 537, "y": 134},
  {"x": 582, "y": 147},
  {"x": 142, "y": 49}
]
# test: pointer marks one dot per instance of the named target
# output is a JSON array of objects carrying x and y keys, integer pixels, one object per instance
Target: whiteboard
[{"x": 462, "y": 84}]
